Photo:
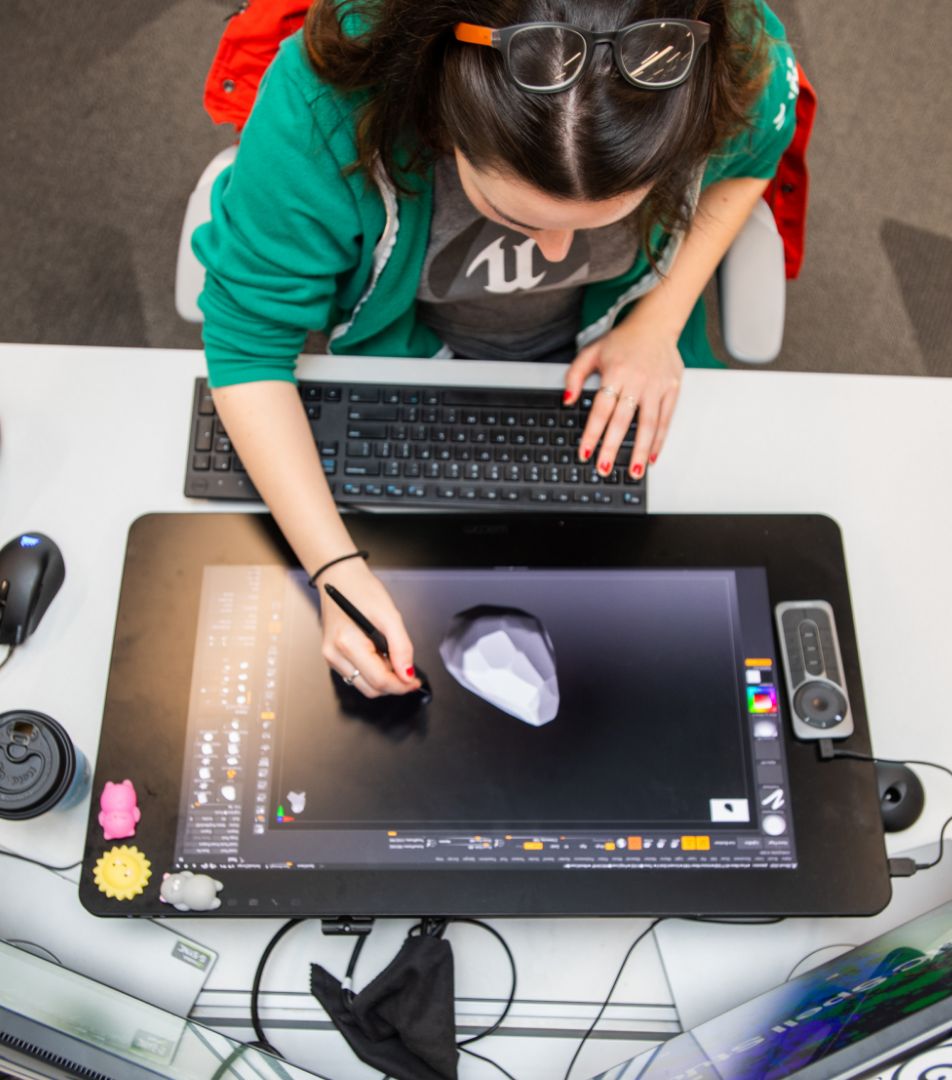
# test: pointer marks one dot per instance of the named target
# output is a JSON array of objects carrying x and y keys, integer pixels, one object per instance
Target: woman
[{"x": 497, "y": 179}]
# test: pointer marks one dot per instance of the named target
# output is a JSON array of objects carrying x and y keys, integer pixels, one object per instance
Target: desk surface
[{"x": 92, "y": 438}]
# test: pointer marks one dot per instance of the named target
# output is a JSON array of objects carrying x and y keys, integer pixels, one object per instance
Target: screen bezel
[{"x": 835, "y": 804}]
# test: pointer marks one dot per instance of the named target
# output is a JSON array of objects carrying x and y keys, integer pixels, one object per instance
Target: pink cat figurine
[{"x": 118, "y": 810}]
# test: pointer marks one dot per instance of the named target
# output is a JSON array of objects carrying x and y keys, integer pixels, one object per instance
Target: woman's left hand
[{"x": 641, "y": 369}]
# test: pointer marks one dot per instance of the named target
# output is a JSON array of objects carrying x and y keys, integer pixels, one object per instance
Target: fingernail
[
  {"x": 566, "y": 397},
  {"x": 604, "y": 466},
  {"x": 653, "y": 458},
  {"x": 637, "y": 470},
  {"x": 411, "y": 672},
  {"x": 586, "y": 453}
]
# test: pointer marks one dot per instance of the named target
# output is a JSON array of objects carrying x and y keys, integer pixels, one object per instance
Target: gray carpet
[{"x": 104, "y": 136}]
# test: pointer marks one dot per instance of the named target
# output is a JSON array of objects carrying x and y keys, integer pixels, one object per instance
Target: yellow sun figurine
[{"x": 122, "y": 873}]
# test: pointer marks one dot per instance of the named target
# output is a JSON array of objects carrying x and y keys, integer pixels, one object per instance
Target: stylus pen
[{"x": 379, "y": 641}]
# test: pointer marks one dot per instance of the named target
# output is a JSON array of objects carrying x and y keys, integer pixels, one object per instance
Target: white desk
[{"x": 92, "y": 438}]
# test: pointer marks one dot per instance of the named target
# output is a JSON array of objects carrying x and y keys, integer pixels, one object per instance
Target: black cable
[
  {"x": 262, "y": 1042},
  {"x": 472, "y": 1053},
  {"x": 36, "y": 862},
  {"x": 813, "y": 952},
  {"x": 889, "y": 761},
  {"x": 462, "y": 1043},
  {"x": 10, "y": 652},
  {"x": 938, "y": 858},
  {"x": 347, "y": 984},
  {"x": 631, "y": 948},
  {"x": 828, "y": 751}
]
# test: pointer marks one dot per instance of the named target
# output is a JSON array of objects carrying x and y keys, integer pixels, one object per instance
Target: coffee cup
[{"x": 40, "y": 768}]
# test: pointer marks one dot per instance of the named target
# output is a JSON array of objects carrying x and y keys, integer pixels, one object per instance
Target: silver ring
[
  {"x": 632, "y": 400},
  {"x": 608, "y": 391},
  {"x": 349, "y": 679}
]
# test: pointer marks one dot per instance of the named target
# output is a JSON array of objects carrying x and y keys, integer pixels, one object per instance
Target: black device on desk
[
  {"x": 607, "y": 733},
  {"x": 412, "y": 447}
]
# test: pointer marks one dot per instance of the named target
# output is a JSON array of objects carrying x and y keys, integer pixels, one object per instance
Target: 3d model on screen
[
  {"x": 186, "y": 891},
  {"x": 505, "y": 656},
  {"x": 118, "y": 810}
]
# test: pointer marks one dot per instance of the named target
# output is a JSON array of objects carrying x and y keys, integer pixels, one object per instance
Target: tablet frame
[{"x": 842, "y": 863}]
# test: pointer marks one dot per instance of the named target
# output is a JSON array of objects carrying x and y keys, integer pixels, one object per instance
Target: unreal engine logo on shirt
[{"x": 486, "y": 258}]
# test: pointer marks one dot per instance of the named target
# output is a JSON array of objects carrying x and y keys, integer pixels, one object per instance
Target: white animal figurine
[{"x": 186, "y": 891}]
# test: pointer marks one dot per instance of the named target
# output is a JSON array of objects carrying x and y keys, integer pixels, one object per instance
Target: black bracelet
[{"x": 312, "y": 580}]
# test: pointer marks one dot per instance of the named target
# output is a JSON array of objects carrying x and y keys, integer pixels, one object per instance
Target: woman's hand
[
  {"x": 347, "y": 648},
  {"x": 641, "y": 369}
]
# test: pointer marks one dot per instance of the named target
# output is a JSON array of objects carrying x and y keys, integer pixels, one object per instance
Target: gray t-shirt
[{"x": 489, "y": 292}]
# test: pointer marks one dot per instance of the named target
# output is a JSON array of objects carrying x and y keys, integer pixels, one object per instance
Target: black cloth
[{"x": 403, "y": 1021}]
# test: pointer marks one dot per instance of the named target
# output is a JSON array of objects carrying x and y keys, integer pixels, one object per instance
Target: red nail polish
[
  {"x": 637, "y": 470},
  {"x": 586, "y": 453},
  {"x": 604, "y": 466},
  {"x": 411, "y": 671},
  {"x": 566, "y": 397},
  {"x": 653, "y": 458}
]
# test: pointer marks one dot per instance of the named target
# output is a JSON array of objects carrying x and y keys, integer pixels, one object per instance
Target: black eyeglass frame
[{"x": 501, "y": 39}]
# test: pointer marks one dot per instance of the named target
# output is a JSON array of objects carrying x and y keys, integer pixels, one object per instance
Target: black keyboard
[{"x": 461, "y": 448}]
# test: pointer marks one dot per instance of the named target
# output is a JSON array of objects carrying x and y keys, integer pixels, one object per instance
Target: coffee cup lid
[{"x": 37, "y": 761}]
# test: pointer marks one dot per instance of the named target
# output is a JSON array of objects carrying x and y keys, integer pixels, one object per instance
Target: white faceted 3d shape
[{"x": 505, "y": 656}]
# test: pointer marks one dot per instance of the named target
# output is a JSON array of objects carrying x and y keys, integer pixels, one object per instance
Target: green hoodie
[{"x": 299, "y": 242}]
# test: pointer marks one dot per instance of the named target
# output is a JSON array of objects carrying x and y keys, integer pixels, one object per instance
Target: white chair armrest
[
  {"x": 752, "y": 289},
  {"x": 189, "y": 272}
]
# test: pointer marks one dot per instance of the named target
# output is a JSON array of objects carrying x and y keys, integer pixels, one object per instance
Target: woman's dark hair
[{"x": 424, "y": 93}]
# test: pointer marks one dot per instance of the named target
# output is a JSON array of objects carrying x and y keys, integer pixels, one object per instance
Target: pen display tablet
[
  {"x": 608, "y": 731},
  {"x": 580, "y": 719}
]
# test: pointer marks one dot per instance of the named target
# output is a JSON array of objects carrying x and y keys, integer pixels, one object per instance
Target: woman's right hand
[{"x": 347, "y": 648}]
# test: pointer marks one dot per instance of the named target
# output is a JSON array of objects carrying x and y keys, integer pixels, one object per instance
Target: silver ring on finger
[
  {"x": 608, "y": 391},
  {"x": 349, "y": 679},
  {"x": 631, "y": 400}
]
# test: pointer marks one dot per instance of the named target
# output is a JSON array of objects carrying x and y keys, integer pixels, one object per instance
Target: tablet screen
[{"x": 581, "y": 720}]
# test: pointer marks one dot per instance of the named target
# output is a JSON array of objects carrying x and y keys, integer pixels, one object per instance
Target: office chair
[{"x": 751, "y": 278}]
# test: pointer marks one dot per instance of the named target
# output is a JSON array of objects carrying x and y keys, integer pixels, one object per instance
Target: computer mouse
[{"x": 31, "y": 573}]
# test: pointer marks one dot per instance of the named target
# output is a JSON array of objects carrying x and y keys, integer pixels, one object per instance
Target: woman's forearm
[
  {"x": 271, "y": 433},
  {"x": 721, "y": 213}
]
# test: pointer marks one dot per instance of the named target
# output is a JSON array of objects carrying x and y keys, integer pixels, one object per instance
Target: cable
[
  {"x": 10, "y": 651},
  {"x": 938, "y": 858},
  {"x": 631, "y": 948},
  {"x": 472, "y": 1053},
  {"x": 36, "y": 862},
  {"x": 813, "y": 952},
  {"x": 347, "y": 983},
  {"x": 262, "y": 1042},
  {"x": 462, "y": 1043},
  {"x": 904, "y": 867},
  {"x": 833, "y": 752}
]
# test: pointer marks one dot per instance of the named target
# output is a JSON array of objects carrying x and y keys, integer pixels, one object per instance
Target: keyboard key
[
  {"x": 394, "y": 491},
  {"x": 366, "y": 430},
  {"x": 417, "y": 491},
  {"x": 350, "y": 489},
  {"x": 221, "y": 462},
  {"x": 371, "y": 412},
  {"x": 373, "y": 489},
  {"x": 358, "y": 449},
  {"x": 362, "y": 468},
  {"x": 203, "y": 436},
  {"x": 364, "y": 393},
  {"x": 201, "y": 462}
]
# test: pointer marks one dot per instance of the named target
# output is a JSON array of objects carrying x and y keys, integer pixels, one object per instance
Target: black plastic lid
[{"x": 37, "y": 763}]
